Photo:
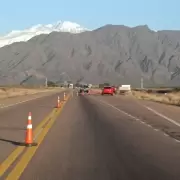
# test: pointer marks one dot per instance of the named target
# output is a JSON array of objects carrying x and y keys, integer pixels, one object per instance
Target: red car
[
  {"x": 114, "y": 89},
  {"x": 108, "y": 90}
]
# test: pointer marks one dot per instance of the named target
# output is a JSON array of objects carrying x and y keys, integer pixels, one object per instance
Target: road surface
[
  {"x": 108, "y": 138},
  {"x": 13, "y": 122}
]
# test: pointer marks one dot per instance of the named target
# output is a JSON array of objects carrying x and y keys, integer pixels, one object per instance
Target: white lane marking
[
  {"x": 163, "y": 116},
  {"x": 159, "y": 114},
  {"x": 127, "y": 114},
  {"x": 20, "y": 102},
  {"x": 105, "y": 103},
  {"x": 177, "y": 140},
  {"x": 166, "y": 134}
]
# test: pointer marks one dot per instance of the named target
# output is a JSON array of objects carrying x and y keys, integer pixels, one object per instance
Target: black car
[
  {"x": 86, "y": 90},
  {"x": 83, "y": 90}
]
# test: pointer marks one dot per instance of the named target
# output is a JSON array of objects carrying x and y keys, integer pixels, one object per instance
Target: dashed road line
[
  {"x": 163, "y": 116},
  {"x": 166, "y": 134},
  {"x": 20, "y": 102},
  {"x": 178, "y": 141},
  {"x": 159, "y": 114},
  {"x": 133, "y": 117}
]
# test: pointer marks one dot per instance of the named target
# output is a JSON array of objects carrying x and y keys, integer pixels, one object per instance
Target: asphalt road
[
  {"x": 13, "y": 121},
  {"x": 93, "y": 140}
]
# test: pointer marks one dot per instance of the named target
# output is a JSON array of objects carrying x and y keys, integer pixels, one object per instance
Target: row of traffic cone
[
  {"x": 58, "y": 100},
  {"x": 29, "y": 130}
]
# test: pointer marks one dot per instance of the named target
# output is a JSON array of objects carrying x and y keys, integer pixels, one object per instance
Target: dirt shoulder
[
  {"x": 172, "y": 98},
  {"x": 10, "y": 96}
]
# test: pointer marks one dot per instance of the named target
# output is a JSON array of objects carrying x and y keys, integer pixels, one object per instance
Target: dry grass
[
  {"x": 168, "y": 98},
  {"x": 8, "y": 92},
  {"x": 96, "y": 90}
]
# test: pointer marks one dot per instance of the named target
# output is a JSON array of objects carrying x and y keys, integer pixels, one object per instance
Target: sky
[{"x": 157, "y": 14}]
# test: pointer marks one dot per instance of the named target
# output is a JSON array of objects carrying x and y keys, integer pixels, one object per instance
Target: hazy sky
[{"x": 157, "y": 14}]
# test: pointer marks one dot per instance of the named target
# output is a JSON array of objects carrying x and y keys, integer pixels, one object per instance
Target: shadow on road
[
  {"x": 16, "y": 143},
  {"x": 12, "y": 128}
]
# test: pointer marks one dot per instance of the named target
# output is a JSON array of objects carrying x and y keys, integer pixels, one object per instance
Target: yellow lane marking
[
  {"x": 44, "y": 121},
  {"x": 11, "y": 158},
  {"x": 27, "y": 156},
  {"x": 15, "y": 154}
]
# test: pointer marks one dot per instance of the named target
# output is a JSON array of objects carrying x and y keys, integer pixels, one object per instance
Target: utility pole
[
  {"x": 46, "y": 82},
  {"x": 142, "y": 83}
]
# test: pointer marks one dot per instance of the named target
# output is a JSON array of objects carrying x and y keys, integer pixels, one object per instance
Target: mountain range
[
  {"x": 113, "y": 53},
  {"x": 26, "y": 34}
]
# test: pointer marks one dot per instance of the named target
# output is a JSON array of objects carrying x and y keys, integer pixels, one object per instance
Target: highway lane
[
  {"x": 170, "y": 111},
  {"x": 91, "y": 140},
  {"x": 7, "y": 102},
  {"x": 13, "y": 121},
  {"x": 160, "y": 116}
]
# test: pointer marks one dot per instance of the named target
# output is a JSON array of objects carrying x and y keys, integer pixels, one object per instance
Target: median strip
[
  {"x": 27, "y": 156},
  {"x": 19, "y": 150},
  {"x": 15, "y": 154}
]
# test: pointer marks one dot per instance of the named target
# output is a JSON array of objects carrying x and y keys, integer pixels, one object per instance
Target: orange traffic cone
[
  {"x": 58, "y": 102},
  {"x": 29, "y": 133}
]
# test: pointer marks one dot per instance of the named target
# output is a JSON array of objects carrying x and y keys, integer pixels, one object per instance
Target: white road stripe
[
  {"x": 127, "y": 114},
  {"x": 163, "y": 116},
  {"x": 20, "y": 102},
  {"x": 159, "y": 114},
  {"x": 177, "y": 140},
  {"x": 105, "y": 103}
]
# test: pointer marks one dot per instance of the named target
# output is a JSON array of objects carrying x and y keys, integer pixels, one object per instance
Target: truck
[{"x": 71, "y": 86}]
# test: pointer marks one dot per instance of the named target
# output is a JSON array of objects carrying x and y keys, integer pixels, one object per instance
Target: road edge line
[{"x": 21, "y": 102}]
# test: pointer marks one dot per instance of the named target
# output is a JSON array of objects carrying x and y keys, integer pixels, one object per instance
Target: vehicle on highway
[
  {"x": 86, "y": 90},
  {"x": 114, "y": 89},
  {"x": 71, "y": 86},
  {"x": 108, "y": 90},
  {"x": 81, "y": 91}
]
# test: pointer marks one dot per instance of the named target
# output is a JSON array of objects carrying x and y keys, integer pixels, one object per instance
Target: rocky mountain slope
[{"x": 113, "y": 53}]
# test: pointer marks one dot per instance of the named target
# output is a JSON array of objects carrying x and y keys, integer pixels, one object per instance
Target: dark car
[
  {"x": 86, "y": 90},
  {"x": 81, "y": 91}
]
